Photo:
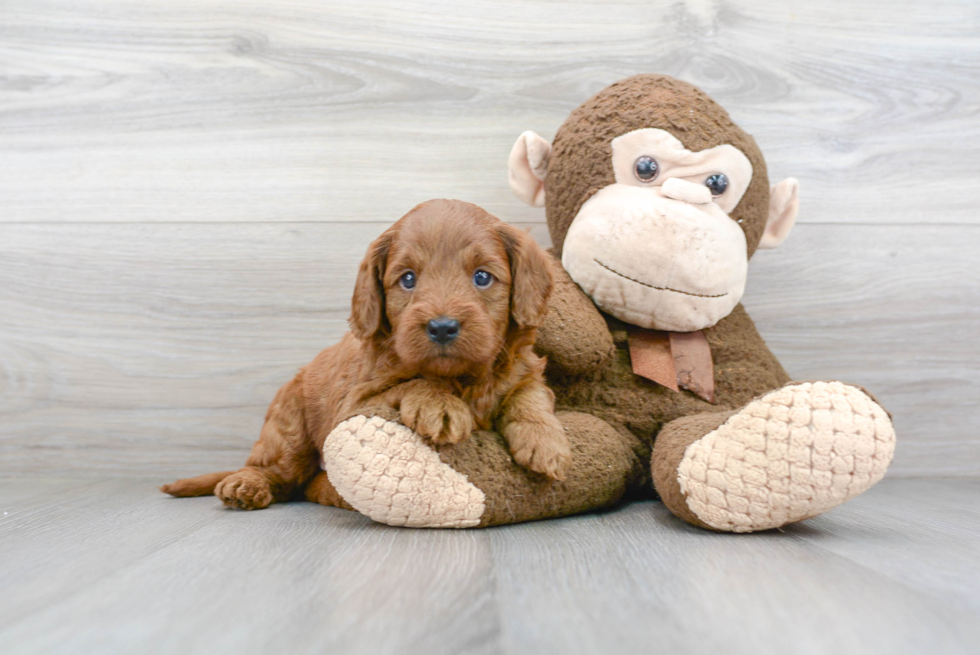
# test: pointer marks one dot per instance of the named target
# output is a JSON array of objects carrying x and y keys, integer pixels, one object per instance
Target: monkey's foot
[
  {"x": 388, "y": 473},
  {"x": 789, "y": 455}
]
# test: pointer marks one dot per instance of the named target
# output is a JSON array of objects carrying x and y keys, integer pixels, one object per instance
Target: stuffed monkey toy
[{"x": 655, "y": 202}]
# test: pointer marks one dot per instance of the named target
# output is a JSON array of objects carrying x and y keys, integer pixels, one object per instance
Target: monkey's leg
[
  {"x": 389, "y": 473},
  {"x": 281, "y": 460},
  {"x": 788, "y": 455}
]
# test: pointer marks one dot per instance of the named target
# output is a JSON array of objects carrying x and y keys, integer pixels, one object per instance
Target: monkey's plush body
[{"x": 655, "y": 202}]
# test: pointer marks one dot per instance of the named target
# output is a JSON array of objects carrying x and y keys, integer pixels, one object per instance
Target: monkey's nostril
[{"x": 442, "y": 330}]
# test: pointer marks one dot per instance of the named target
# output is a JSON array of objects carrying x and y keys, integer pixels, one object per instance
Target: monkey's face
[
  {"x": 657, "y": 248},
  {"x": 659, "y": 235}
]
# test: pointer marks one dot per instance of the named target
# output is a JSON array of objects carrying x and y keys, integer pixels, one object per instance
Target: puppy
[{"x": 444, "y": 315}]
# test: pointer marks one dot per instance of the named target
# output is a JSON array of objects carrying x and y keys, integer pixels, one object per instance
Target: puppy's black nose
[{"x": 442, "y": 330}]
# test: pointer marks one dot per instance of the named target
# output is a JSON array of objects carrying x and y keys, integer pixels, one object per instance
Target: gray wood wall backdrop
[{"x": 186, "y": 189}]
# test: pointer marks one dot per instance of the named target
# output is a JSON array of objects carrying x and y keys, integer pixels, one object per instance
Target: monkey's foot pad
[
  {"x": 787, "y": 456},
  {"x": 388, "y": 473}
]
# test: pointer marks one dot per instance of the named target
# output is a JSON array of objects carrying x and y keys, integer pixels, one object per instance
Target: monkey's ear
[
  {"x": 367, "y": 317},
  {"x": 527, "y": 166},
  {"x": 784, "y": 203}
]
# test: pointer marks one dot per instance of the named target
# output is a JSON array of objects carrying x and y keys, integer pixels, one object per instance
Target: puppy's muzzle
[{"x": 442, "y": 330}]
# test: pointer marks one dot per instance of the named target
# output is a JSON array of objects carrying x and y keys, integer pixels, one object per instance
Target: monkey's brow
[{"x": 686, "y": 293}]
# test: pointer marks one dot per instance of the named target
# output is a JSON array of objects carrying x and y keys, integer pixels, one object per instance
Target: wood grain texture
[
  {"x": 311, "y": 111},
  {"x": 894, "y": 309},
  {"x": 186, "y": 189},
  {"x": 116, "y": 567},
  {"x": 682, "y": 589},
  {"x": 133, "y": 349}
]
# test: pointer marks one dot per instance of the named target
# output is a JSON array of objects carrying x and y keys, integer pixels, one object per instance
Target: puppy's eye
[
  {"x": 646, "y": 169},
  {"x": 482, "y": 279},
  {"x": 407, "y": 281},
  {"x": 717, "y": 183}
]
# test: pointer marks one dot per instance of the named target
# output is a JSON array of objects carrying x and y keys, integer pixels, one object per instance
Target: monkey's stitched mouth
[{"x": 686, "y": 293}]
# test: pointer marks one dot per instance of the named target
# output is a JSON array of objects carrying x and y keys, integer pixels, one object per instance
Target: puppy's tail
[{"x": 202, "y": 485}]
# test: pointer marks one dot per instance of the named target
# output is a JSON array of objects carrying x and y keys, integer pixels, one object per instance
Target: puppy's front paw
[
  {"x": 440, "y": 416},
  {"x": 541, "y": 447},
  {"x": 246, "y": 489}
]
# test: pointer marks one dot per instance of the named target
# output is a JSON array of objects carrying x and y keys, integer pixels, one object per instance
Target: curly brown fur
[{"x": 486, "y": 376}]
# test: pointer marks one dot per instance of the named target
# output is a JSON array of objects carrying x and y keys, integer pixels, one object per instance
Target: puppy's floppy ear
[
  {"x": 367, "y": 317},
  {"x": 531, "y": 277}
]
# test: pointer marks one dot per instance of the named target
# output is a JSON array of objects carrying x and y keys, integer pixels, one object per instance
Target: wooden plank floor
[{"x": 113, "y": 566}]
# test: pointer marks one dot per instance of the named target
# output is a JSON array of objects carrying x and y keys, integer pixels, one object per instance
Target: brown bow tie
[{"x": 677, "y": 360}]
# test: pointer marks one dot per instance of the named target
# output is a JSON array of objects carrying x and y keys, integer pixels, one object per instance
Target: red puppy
[{"x": 445, "y": 312}]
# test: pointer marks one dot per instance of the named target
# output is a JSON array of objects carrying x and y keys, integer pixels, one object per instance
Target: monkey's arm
[{"x": 574, "y": 336}]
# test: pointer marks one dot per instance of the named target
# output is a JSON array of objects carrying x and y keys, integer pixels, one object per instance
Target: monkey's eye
[
  {"x": 717, "y": 183},
  {"x": 646, "y": 169},
  {"x": 408, "y": 280},
  {"x": 482, "y": 279}
]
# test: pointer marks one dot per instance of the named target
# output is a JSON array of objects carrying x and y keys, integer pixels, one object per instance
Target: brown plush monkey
[{"x": 655, "y": 201}]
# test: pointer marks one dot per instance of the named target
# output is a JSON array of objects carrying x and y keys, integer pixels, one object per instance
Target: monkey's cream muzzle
[{"x": 658, "y": 257}]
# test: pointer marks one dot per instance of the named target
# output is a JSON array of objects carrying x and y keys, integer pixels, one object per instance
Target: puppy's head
[{"x": 447, "y": 286}]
